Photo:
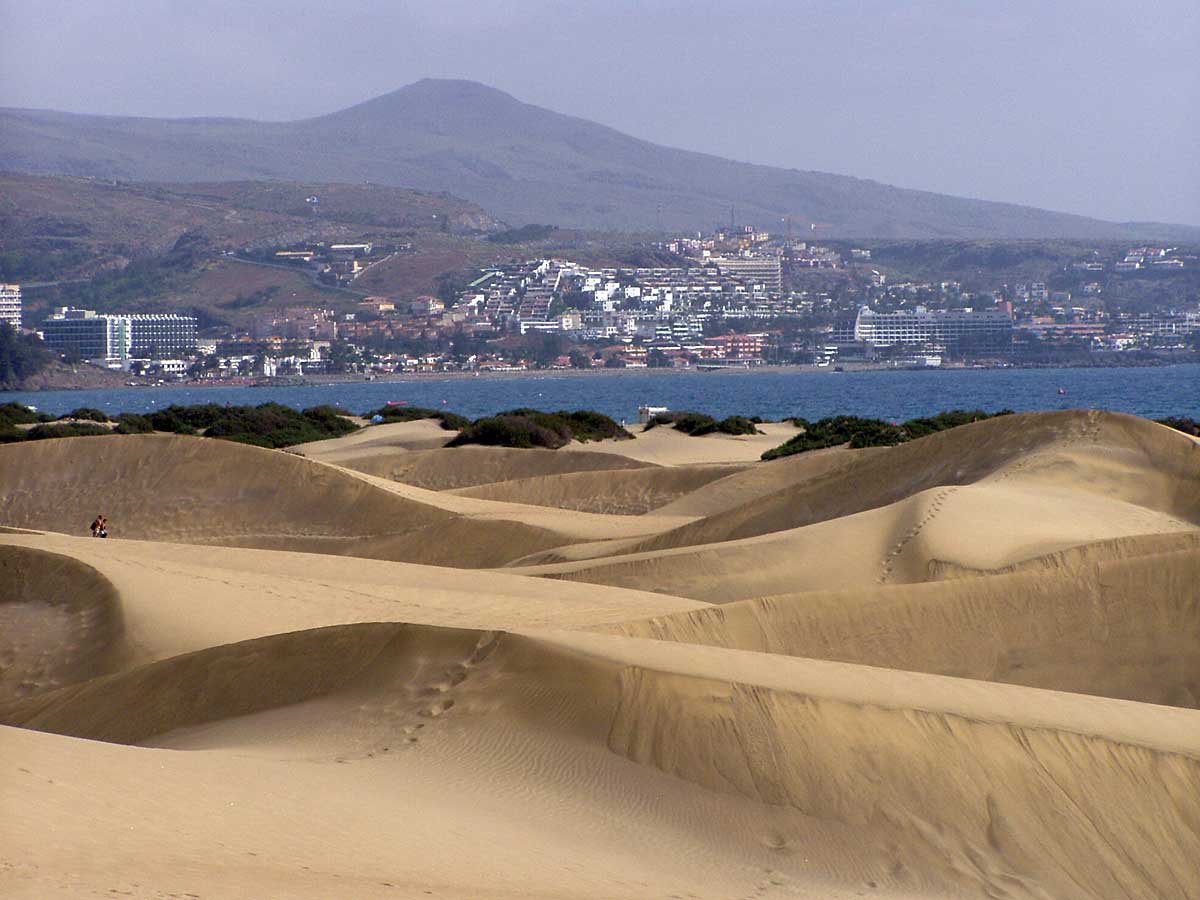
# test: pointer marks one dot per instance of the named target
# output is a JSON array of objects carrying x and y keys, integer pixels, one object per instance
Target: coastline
[{"x": 103, "y": 379}]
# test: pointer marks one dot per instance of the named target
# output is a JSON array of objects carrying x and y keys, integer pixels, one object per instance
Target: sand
[{"x": 961, "y": 667}]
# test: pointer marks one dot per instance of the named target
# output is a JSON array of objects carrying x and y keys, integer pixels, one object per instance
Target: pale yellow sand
[{"x": 962, "y": 667}]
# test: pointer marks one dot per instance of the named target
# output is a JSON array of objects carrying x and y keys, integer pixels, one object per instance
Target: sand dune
[
  {"x": 716, "y": 718},
  {"x": 1121, "y": 627},
  {"x": 461, "y": 467},
  {"x": 194, "y": 490},
  {"x": 982, "y": 526},
  {"x": 667, "y": 447},
  {"x": 960, "y": 667},
  {"x": 60, "y": 622},
  {"x": 390, "y": 438},
  {"x": 634, "y": 493},
  {"x": 1108, "y": 453}
]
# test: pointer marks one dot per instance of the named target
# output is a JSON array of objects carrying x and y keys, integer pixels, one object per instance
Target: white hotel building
[{"x": 981, "y": 329}]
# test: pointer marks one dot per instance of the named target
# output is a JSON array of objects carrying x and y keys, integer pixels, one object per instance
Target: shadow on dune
[
  {"x": 960, "y": 769},
  {"x": 1116, "y": 619},
  {"x": 60, "y": 622},
  {"x": 202, "y": 491}
]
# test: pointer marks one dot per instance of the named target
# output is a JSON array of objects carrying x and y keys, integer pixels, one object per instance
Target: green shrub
[
  {"x": 692, "y": 423},
  {"x": 132, "y": 423},
  {"x": 171, "y": 419},
  {"x": 916, "y": 428},
  {"x": 699, "y": 424},
  {"x": 86, "y": 413},
  {"x": 511, "y": 431},
  {"x": 589, "y": 425},
  {"x": 330, "y": 420},
  {"x": 266, "y": 425},
  {"x": 16, "y": 414},
  {"x": 188, "y": 419},
  {"x": 1181, "y": 423},
  {"x": 65, "y": 430},
  {"x": 10, "y": 434},
  {"x": 582, "y": 425},
  {"x": 858, "y": 432},
  {"x": 738, "y": 425},
  {"x": 450, "y": 421}
]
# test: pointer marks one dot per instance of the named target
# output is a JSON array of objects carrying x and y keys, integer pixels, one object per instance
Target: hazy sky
[{"x": 1087, "y": 107}]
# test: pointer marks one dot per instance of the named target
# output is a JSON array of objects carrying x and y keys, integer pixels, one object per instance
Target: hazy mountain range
[{"x": 521, "y": 163}]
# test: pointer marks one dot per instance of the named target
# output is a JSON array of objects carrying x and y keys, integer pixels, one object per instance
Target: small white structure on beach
[{"x": 646, "y": 413}]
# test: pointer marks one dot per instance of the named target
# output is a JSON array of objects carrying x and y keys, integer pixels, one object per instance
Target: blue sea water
[{"x": 894, "y": 395}]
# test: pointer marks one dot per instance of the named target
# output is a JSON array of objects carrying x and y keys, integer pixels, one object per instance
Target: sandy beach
[{"x": 378, "y": 667}]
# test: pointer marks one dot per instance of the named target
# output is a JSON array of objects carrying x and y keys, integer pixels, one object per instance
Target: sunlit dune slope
[
  {"x": 460, "y": 467},
  {"x": 763, "y": 479},
  {"x": 1108, "y": 453},
  {"x": 1120, "y": 627},
  {"x": 202, "y": 491},
  {"x": 958, "y": 770},
  {"x": 631, "y": 493},
  {"x": 664, "y": 446},
  {"x": 388, "y": 438},
  {"x": 985, "y": 525},
  {"x": 179, "y": 598}
]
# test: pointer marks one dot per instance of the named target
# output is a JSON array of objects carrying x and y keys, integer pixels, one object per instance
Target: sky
[{"x": 1072, "y": 105}]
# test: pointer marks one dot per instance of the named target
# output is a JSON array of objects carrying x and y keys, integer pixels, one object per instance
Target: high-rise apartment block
[{"x": 92, "y": 335}]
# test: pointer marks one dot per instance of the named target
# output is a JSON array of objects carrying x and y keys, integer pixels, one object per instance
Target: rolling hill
[{"x": 521, "y": 163}]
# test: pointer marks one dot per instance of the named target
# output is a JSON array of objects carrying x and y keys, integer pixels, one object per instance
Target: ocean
[{"x": 893, "y": 395}]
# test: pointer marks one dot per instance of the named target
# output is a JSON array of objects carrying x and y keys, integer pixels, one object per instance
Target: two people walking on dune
[{"x": 100, "y": 527}]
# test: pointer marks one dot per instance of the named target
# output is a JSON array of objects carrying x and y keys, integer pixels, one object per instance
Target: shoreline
[{"x": 418, "y": 377}]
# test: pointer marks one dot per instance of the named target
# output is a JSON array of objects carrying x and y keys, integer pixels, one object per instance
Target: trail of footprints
[
  {"x": 435, "y": 697},
  {"x": 935, "y": 507}
]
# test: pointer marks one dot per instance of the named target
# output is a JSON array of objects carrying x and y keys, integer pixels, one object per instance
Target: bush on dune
[
  {"x": 521, "y": 432},
  {"x": 1181, "y": 423},
  {"x": 65, "y": 429},
  {"x": 16, "y": 414},
  {"x": 86, "y": 414},
  {"x": 527, "y": 428},
  {"x": 132, "y": 423},
  {"x": 274, "y": 425},
  {"x": 589, "y": 425},
  {"x": 699, "y": 424},
  {"x": 581, "y": 425},
  {"x": 267, "y": 425},
  {"x": 857, "y": 432},
  {"x": 738, "y": 425}
]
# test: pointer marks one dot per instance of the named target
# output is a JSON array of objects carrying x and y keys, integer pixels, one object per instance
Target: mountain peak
[
  {"x": 520, "y": 161},
  {"x": 431, "y": 94},
  {"x": 453, "y": 87}
]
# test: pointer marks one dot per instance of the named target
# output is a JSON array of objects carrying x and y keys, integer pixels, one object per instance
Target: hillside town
[{"x": 737, "y": 298}]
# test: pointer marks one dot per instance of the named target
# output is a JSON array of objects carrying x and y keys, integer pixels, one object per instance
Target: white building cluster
[
  {"x": 552, "y": 295},
  {"x": 10, "y": 305}
]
